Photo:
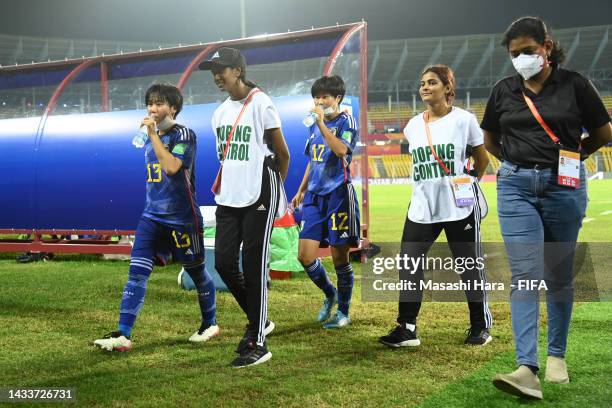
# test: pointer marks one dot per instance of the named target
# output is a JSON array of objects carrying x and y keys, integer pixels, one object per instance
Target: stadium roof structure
[
  {"x": 393, "y": 65},
  {"x": 479, "y": 61},
  {"x": 273, "y": 60}
]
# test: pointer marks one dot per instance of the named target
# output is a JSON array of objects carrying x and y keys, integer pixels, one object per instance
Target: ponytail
[{"x": 248, "y": 83}]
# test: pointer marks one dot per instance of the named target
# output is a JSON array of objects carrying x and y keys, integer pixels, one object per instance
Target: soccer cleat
[
  {"x": 478, "y": 337},
  {"x": 326, "y": 309},
  {"x": 401, "y": 336},
  {"x": 337, "y": 321},
  {"x": 252, "y": 354},
  {"x": 205, "y": 333},
  {"x": 114, "y": 341},
  {"x": 522, "y": 382},
  {"x": 556, "y": 370}
]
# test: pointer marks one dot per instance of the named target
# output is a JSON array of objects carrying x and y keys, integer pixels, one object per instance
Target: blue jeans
[{"x": 539, "y": 221}]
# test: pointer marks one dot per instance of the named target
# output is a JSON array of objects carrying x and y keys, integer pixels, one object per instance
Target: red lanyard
[
  {"x": 536, "y": 114},
  {"x": 433, "y": 152}
]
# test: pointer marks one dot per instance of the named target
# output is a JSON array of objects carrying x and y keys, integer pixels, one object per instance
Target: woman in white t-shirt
[
  {"x": 445, "y": 198},
  {"x": 254, "y": 161}
]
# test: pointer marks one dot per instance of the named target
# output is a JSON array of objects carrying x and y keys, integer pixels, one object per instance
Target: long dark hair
[
  {"x": 242, "y": 77},
  {"x": 447, "y": 77},
  {"x": 248, "y": 83},
  {"x": 535, "y": 28}
]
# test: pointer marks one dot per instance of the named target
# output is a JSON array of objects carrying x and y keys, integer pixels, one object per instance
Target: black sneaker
[
  {"x": 400, "y": 336},
  {"x": 478, "y": 336},
  {"x": 242, "y": 344},
  {"x": 252, "y": 354},
  {"x": 269, "y": 328}
]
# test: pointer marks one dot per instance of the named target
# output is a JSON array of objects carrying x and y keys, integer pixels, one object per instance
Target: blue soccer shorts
[
  {"x": 153, "y": 237},
  {"x": 332, "y": 219}
]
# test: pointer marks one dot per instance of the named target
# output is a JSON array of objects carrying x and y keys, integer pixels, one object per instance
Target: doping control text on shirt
[{"x": 243, "y": 165}]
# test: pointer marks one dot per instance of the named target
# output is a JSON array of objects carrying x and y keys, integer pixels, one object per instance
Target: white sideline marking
[
  {"x": 588, "y": 220},
  {"x": 607, "y": 212}
]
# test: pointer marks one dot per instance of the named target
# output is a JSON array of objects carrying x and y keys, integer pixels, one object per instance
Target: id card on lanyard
[
  {"x": 569, "y": 169},
  {"x": 568, "y": 174},
  {"x": 462, "y": 190},
  {"x": 460, "y": 185}
]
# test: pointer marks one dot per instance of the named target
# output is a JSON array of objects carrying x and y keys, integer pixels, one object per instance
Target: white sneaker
[
  {"x": 556, "y": 370},
  {"x": 522, "y": 382},
  {"x": 114, "y": 341},
  {"x": 203, "y": 335}
]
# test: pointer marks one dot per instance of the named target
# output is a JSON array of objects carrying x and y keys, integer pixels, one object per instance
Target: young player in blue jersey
[
  {"x": 171, "y": 219},
  {"x": 330, "y": 211}
]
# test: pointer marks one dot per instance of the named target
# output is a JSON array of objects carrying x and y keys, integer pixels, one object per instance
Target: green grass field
[
  {"x": 51, "y": 312},
  {"x": 389, "y": 203}
]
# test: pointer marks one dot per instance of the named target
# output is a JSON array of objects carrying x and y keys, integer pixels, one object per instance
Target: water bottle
[
  {"x": 310, "y": 120},
  {"x": 141, "y": 137}
]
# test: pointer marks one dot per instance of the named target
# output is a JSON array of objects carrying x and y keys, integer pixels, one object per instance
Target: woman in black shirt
[{"x": 533, "y": 123}]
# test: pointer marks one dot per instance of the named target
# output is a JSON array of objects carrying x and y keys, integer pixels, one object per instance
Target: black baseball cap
[{"x": 224, "y": 57}]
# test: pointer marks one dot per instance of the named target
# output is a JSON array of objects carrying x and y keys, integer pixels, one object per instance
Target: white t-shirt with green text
[
  {"x": 242, "y": 169},
  {"x": 432, "y": 196}
]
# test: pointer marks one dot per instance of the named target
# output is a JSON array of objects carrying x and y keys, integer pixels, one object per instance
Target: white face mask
[
  {"x": 330, "y": 110},
  {"x": 528, "y": 65},
  {"x": 166, "y": 123}
]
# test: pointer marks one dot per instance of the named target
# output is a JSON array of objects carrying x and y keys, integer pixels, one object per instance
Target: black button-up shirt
[{"x": 568, "y": 102}]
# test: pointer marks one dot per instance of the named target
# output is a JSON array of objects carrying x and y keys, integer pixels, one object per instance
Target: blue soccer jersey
[
  {"x": 171, "y": 199},
  {"x": 328, "y": 171}
]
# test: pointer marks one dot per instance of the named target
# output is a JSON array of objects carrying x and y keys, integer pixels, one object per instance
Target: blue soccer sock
[
  {"x": 205, "y": 287},
  {"x": 134, "y": 293},
  {"x": 345, "y": 287},
  {"x": 317, "y": 274}
]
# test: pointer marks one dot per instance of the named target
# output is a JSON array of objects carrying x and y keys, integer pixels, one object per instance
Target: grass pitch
[{"x": 51, "y": 312}]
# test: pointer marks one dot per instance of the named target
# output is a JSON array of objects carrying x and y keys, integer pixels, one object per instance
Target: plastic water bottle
[
  {"x": 310, "y": 120},
  {"x": 141, "y": 137}
]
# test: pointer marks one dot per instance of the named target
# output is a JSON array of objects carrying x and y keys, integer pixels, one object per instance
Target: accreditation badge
[
  {"x": 569, "y": 169},
  {"x": 462, "y": 190}
]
